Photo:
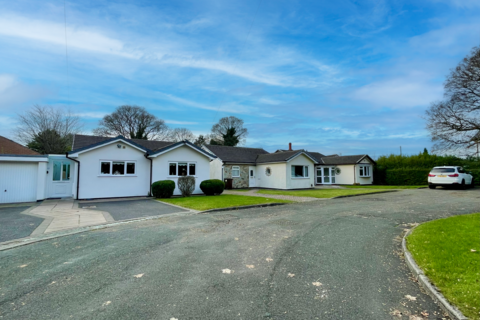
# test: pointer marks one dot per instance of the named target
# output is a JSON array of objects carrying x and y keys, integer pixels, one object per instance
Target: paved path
[
  {"x": 65, "y": 214},
  {"x": 252, "y": 192},
  {"x": 336, "y": 259}
]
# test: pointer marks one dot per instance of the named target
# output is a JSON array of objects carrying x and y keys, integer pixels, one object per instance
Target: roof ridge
[{"x": 219, "y": 145}]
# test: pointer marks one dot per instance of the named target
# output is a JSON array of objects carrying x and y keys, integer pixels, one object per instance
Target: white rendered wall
[
  {"x": 182, "y": 154},
  {"x": 346, "y": 175},
  {"x": 277, "y": 178},
  {"x": 301, "y": 183},
  {"x": 216, "y": 169},
  {"x": 93, "y": 185},
  {"x": 41, "y": 180}
]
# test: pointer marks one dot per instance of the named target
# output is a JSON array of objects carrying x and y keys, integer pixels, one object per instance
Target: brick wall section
[
  {"x": 8, "y": 146},
  {"x": 238, "y": 182}
]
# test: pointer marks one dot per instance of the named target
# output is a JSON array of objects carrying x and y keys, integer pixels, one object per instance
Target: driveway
[
  {"x": 131, "y": 209},
  {"x": 14, "y": 225},
  {"x": 335, "y": 259}
]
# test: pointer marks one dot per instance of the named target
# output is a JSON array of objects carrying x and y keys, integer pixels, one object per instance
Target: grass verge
[
  {"x": 386, "y": 187},
  {"x": 443, "y": 250},
  {"x": 319, "y": 193},
  {"x": 216, "y": 202}
]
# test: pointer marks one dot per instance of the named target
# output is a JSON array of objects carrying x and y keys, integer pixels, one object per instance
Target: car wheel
[
  {"x": 472, "y": 184},
  {"x": 432, "y": 187},
  {"x": 463, "y": 186}
]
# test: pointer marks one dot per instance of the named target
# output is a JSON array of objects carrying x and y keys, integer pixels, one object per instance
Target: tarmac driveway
[
  {"x": 14, "y": 225},
  {"x": 132, "y": 209},
  {"x": 334, "y": 259}
]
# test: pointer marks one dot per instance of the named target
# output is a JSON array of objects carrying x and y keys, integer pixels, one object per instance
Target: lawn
[
  {"x": 387, "y": 187},
  {"x": 443, "y": 250},
  {"x": 223, "y": 201},
  {"x": 320, "y": 193}
]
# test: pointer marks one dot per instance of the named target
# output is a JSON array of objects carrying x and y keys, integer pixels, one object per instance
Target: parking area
[
  {"x": 15, "y": 225},
  {"x": 131, "y": 209}
]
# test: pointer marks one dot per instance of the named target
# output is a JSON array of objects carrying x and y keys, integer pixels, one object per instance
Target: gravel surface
[{"x": 334, "y": 259}]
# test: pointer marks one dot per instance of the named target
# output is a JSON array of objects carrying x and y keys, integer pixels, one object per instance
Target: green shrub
[
  {"x": 163, "y": 188},
  {"x": 186, "y": 185},
  {"x": 407, "y": 177},
  {"x": 212, "y": 187}
]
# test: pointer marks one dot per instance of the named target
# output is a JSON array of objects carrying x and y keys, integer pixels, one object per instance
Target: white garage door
[{"x": 18, "y": 182}]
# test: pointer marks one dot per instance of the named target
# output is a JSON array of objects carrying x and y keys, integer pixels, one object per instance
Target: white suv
[{"x": 449, "y": 175}]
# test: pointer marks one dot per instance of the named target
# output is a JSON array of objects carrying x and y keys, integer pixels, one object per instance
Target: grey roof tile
[
  {"x": 81, "y": 141},
  {"x": 236, "y": 154}
]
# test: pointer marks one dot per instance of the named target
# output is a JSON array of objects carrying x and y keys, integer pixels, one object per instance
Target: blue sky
[{"x": 349, "y": 77}]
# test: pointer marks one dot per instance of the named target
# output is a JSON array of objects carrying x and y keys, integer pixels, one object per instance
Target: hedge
[
  {"x": 212, "y": 187},
  {"x": 163, "y": 188},
  {"x": 408, "y": 177}
]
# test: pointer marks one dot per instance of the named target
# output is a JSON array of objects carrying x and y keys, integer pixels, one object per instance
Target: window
[
  {"x": 364, "y": 171},
  {"x": 130, "y": 167},
  {"x": 173, "y": 169},
  {"x": 184, "y": 169},
  {"x": 442, "y": 170},
  {"x": 61, "y": 171},
  {"x": 268, "y": 171},
  {"x": 235, "y": 172},
  {"x": 460, "y": 170},
  {"x": 117, "y": 168},
  {"x": 191, "y": 169},
  {"x": 66, "y": 171},
  {"x": 299, "y": 171}
]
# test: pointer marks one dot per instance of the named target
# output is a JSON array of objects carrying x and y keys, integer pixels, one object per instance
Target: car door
[{"x": 465, "y": 176}]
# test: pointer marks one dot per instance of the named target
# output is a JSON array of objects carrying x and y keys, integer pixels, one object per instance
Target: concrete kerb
[
  {"x": 364, "y": 194},
  {"x": 30, "y": 240},
  {"x": 423, "y": 280},
  {"x": 244, "y": 207}
]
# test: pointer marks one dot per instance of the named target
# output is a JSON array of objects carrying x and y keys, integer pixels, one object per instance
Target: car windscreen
[{"x": 442, "y": 170}]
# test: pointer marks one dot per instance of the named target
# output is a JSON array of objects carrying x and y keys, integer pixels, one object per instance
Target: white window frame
[
  {"x": 236, "y": 168},
  {"x": 366, "y": 171},
  {"x": 188, "y": 168},
  {"x": 62, "y": 163},
  {"x": 125, "y": 174},
  {"x": 305, "y": 170}
]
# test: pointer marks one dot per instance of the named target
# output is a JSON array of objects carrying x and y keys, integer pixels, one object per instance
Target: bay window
[{"x": 364, "y": 171}]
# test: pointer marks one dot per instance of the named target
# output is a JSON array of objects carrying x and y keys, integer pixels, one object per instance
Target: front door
[
  {"x": 59, "y": 177},
  {"x": 325, "y": 175},
  {"x": 251, "y": 177}
]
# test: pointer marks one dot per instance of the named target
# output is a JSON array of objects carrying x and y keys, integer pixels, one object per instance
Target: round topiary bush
[
  {"x": 163, "y": 188},
  {"x": 212, "y": 187}
]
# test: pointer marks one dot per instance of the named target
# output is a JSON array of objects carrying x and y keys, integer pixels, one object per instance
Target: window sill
[
  {"x": 117, "y": 175},
  {"x": 365, "y": 176},
  {"x": 300, "y": 177},
  {"x": 181, "y": 176}
]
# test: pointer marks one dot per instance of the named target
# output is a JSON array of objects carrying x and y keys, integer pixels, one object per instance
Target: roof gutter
[{"x": 78, "y": 173}]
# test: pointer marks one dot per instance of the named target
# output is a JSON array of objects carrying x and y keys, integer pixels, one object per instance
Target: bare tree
[
  {"x": 180, "y": 134},
  {"x": 229, "y": 131},
  {"x": 454, "y": 123},
  {"x": 47, "y": 130},
  {"x": 132, "y": 122}
]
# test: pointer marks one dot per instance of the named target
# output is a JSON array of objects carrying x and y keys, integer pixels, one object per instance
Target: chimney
[{"x": 289, "y": 146}]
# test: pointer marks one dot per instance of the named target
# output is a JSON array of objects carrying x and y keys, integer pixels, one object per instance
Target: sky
[{"x": 344, "y": 77}]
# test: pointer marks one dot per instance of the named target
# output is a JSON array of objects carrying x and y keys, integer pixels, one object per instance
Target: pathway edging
[
  {"x": 423, "y": 280},
  {"x": 274, "y": 204},
  {"x": 364, "y": 194}
]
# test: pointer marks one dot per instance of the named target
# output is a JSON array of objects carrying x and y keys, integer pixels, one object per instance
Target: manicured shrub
[
  {"x": 407, "y": 177},
  {"x": 186, "y": 184},
  {"x": 163, "y": 188},
  {"x": 212, "y": 187}
]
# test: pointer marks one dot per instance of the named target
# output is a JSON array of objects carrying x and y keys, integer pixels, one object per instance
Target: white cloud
[
  {"x": 14, "y": 92},
  {"x": 79, "y": 38},
  {"x": 406, "y": 92},
  {"x": 92, "y": 115},
  {"x": 179, "y": 122}
]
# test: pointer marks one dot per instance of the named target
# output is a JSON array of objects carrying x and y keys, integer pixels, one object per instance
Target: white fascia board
[
  {"x": 75, "y": 155},
  {"x": 314, "y": 161},
  {"x": 180, "y": 145},
  {"x": 24, "y": 159}
]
